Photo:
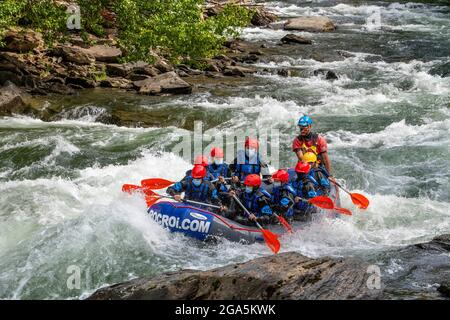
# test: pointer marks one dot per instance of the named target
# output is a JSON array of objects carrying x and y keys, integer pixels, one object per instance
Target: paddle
[
  {"x": 153, "y": 197},
  {"x": 156, "y": 183},
  {"x": 129, "y": 188},
  {"x": 270, "y": 238},
  {"x": 358, "y": 199},
  {"x": 284, "y": 222},
  {"x": 325, "y": 202}
]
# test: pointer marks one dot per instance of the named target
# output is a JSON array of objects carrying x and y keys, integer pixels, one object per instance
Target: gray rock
[
  {"x": 74, "y": 54},
  {"x": 237, "y": 71},
  {"x": 12, "y": 100},
  {"x": 292, "y": 38},
  {"x": 310, "y": 24},
  {"x": 329, "y": 74},
  {"x": 18, "y": 40},
  {"x": 444, "y": 289},
  {"x": 263, "y": 17},
  {"x": 283, "y": 276},
  {"x": 168, "y": 82},
  {"x": 120, "y": 83},
  {"x": 105, "y": 53}
]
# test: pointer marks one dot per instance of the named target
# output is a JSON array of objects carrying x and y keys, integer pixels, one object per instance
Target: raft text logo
[{"x": 186, "y": 224}]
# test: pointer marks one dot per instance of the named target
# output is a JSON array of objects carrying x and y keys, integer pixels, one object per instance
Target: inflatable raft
[{"x": 205, "y": 225}]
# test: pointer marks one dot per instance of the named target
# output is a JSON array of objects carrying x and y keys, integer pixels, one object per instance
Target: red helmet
[
  {"x": 198, "y": 172},
  {"x": 217, "y": 152},
  {"x": 251, "y": 143},
  {"x": 202, "y": 160},
  {"x": 302, "y": 167},
  {"x": 281, "y": 175},
  {"x": 252, "y": 180}
]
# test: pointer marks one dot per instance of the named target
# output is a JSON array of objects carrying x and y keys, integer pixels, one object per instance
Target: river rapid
[{"x": 386, "y": 119}]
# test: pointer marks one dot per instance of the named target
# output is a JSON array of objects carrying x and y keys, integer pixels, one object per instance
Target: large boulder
[
  {"x": 292, "y": 38},
  {"x": 74, "y": 54},
  {"x": 12, "y": 100},
  {"x": 105, "y": 53},
  {"x": 168, "y": 82},
  {"x": 283, "y": 276},
  {"x": 310, "y": 24},
  {"x": 19, "y": 40},
  {"x": 263, "y": 17}
]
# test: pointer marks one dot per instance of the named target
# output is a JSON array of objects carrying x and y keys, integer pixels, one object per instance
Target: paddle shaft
[
  {"x": 245, "y": 209},
  {"x": 194, "y": 202}
]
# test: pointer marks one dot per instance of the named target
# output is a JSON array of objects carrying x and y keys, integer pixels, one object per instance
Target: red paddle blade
[
  {"x": 271, "y": 240},
  {"x": 150, "y": 200},
  {"x": 129, "y": 188},
  {"x": 361, "y": 201},
  {"x": 322, "y": 202},
  {"x": 150, "y": 193},
  {"x": 285, "y": 224},
  {"x": 156, "y": 183},
  {"x": 343, "y": 211}
]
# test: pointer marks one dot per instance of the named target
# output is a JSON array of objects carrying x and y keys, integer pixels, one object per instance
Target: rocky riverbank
[
  {"x": 81, "y": 63},
  {"x": 290, "y": 275}
]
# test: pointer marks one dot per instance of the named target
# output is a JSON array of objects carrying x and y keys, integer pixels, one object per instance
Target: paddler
[
  {"x": 197, "y": 188},
  {"x": 308, "y": 141},
  {"x": 282, "y": 194},
  {"x": 248, "y": 161},
  {"x": 304, "y": 189},
  {"x": 318, "y": 174},
  {"x": 255, "y": 199}
]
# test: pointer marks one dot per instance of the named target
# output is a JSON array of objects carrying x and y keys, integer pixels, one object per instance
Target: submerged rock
[
  {"x": 284, "y": 276},
  {"x": 292, "y": 38},
  {"x": 310, "y": 24}
]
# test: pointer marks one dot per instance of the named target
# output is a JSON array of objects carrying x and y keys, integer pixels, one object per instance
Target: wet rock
[
  {"x": 168, "y": 82},
  {"x": 105, "y": 53},
  {"x": 163, "y": 66},
  {"x": 329, "y": 74},
  {"x": 439, "y": 243},
  {"x": 74, "y": 54},
  {"x": 284, "y": 72},
  {"x": 292, "y": 38},
  {"x": 82, "y": 82},
  {"x": 441, "y": 70},
  {"x": 126, "y": 69},
  {"x": 263, "y": 17},
  {"x": 189, "y": 71},
  {"x": 25, "y": 40},
  {"x": 310, "y": 24},
  {"x": 12, "y": 100},
  {"x": 260, "y": 279},
  {"x": 250, "y": 58},
  {"x": 137, "y": 77},
  {"x": 444, "y": 289},
  {"x": 120, "y": 83},
  {"x": 237, "y": 71}
]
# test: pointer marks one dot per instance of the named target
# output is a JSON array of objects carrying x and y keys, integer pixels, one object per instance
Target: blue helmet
[{"x": 304, "y": 121}]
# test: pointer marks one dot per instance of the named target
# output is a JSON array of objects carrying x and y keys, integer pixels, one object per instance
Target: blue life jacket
[
  {"x": 195, "y": 193},
  {"x": 278, "y": 198},
  {"x": 251, "y": 202},
  {"x": 323, "y": 185},
  {"x": 245, "y": 166},
  {"x": 218, "y": 170}
]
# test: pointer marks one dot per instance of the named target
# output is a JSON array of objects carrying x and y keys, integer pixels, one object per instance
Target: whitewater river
[{"x": 386, "y": 118}]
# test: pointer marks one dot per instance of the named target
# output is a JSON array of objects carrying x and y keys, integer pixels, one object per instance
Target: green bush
[{"x": 174, "y": 27}]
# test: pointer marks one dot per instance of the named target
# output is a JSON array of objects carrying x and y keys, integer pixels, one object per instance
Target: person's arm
[
  {"x": 299, "y": 154},
  {"x": 326, "y": 162},
  {"x": 177, "y": 189}
]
